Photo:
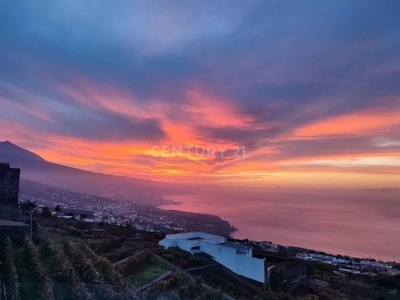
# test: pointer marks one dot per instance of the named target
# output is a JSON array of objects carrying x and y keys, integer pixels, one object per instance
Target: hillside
[
  {"x": 58, "y": 266},
  {"x": 33, "y": 167},
  {"x": 71, "y": 259}
]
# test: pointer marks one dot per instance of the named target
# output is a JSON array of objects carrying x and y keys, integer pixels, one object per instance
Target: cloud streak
[{"x": 305, "y": 88}]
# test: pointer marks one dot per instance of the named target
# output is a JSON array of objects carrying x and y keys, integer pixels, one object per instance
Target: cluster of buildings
[
  {"x": 117, "y": 214},
  {"x": 349, "y": 265},
  {"x": 100, "y": 209},
  {"x": 234, "y": 256},
  {"x": 97, "y": 209},
  {"x": 94, "y": 209}
]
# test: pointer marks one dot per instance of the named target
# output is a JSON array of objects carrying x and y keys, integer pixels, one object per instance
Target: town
[
  {"x": 95, "y": 209},
  {"x": 151, "y": 248},
  {"x": 117, "y": 212}
]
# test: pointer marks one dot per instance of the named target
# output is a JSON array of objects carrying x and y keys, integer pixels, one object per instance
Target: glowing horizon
[{"x": 251, "y": 94}]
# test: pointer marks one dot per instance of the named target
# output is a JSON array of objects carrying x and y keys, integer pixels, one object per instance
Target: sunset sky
[{"x": 288, "y": 93}]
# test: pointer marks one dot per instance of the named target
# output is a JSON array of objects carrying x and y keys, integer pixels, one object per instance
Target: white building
[{"x": 236, "y": 257}]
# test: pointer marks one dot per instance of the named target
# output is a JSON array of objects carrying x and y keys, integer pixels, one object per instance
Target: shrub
[
  {"x": 44, "y": 286},
  {"x": 65, "y": 271},
  {"x": 12, "y": 287}
]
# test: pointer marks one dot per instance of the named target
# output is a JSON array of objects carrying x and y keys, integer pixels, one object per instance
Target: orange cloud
[
  {"x": 198, "y": 108},
  {"x": 209, "y": 110},
  {"x": 357, "y": 123},
  {"x": 184, "y": 121}
]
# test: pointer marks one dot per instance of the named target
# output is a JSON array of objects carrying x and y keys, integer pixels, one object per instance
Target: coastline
[
  {"x": 225, "y": 228},
  {"x": 313, "y": 237},
  {"x": 287, "y": 247},
  {"x": 292, "y": 248}
]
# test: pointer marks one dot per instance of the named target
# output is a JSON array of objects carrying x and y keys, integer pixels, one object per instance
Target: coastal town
[
  {"x": 200, "y": 150},
  {"x": 156, "y": 246},
  {"x": 95, "y": 209}
]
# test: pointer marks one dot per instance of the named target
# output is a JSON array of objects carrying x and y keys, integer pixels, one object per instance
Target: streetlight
[{"x": 31, "y": 214}]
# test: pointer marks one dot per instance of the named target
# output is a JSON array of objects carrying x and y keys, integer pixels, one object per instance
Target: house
[{"x": 236, "y": 257}]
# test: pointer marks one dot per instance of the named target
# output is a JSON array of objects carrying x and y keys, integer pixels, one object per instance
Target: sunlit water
[{"x": 356, "y": 223}]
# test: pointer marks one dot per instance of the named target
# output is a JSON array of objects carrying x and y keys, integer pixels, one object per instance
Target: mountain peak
[{"x": 9, "y": 149}]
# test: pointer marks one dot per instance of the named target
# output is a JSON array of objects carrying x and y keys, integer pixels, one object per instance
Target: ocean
[{"x": 359, "y": 223}]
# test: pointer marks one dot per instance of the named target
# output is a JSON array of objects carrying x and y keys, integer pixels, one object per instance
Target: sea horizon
[{"x": 357, "y": 223}]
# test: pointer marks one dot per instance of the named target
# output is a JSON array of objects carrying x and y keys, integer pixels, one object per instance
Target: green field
[{"x": 147, "y": 272}]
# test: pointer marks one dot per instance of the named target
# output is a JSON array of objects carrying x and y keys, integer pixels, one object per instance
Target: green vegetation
[
  {"x": 63, "y": 272},
  {"x": 73, "y": 260},
  {"x": 184, "y": 259},
  {"x": 44, "y": 288},
  {"x": 58, "y": 264},
  {"x": 46, "y": 213},
  {"x": 179, "y": 286},
  {"x": 11, "y": 275},
  {"x": 148, "y": 272}
]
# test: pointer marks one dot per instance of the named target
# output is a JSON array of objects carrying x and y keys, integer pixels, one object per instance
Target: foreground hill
[
  {"x": 75, "y": 260},
  {"x": 34, "y": 167},
  {"x": 59, "y": 267}
]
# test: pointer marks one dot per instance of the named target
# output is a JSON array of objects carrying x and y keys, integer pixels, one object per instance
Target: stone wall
[
  {"x": 9, "y": 189},
  {"x": 9, "y": 185}
]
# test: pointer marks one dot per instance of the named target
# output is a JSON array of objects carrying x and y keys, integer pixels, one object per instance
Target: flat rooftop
[
  {"x": 238, "y": 247},
  {"x": 197, "y": 235},
  {"x": 12, "y": 223}
]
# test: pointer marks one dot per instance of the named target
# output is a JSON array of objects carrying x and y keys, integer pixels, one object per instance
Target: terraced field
[{"x": 64, "y": 267}]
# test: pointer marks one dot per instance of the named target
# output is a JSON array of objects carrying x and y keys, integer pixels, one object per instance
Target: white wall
[
  {"x": 168, "y": 243},
  {"x": 244, "y": 265}
]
